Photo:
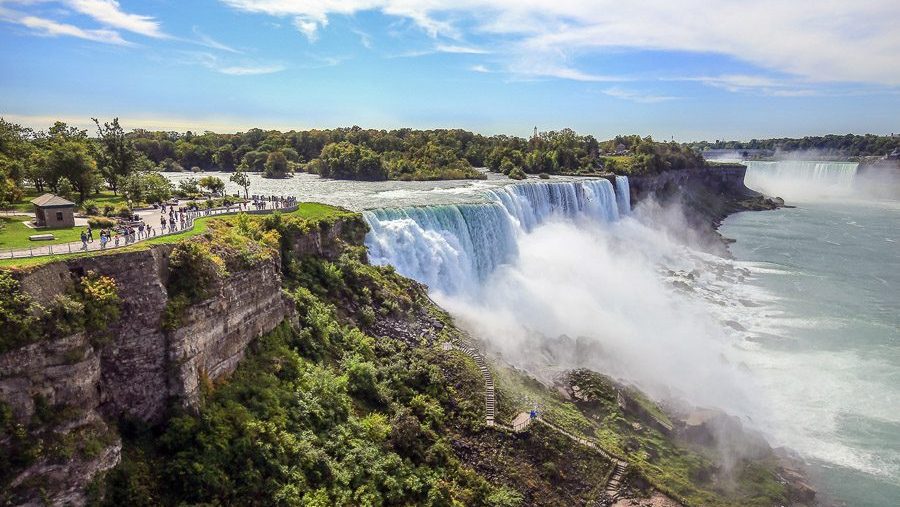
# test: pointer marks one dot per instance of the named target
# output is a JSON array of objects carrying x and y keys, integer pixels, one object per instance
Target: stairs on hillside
[{"x": 523, "y": 421}]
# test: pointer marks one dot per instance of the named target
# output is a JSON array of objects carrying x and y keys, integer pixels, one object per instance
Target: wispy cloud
[
  {"x": 242, "y": 68},
  {"x": 637, "y": 96},
  {"x": 50, "y": 28},
  {"x": 364, "y": 38},
  {"x": 764, "y": 85},
  {"x": 309, "y": 26},
  {"x": 480, "y": 68},
  {"x": 110, "y": 13},
  {"x": 206, "y": 40},
  {"x": 835, "y": 42},
  {"x": 466, "y": 50}
]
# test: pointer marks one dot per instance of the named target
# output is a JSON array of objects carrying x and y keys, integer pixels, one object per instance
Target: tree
[
  {"x": 224, "y": 158},
  {"x": 213, "y": 184},
  {"x": 276, "y": 165},
  {"x": 159, "y": 189},
  {"x": 72, "y": 160},
  {"x": 189, "y": 186},
  {"x": 243, "y": 180},
  {"x": 116, "y": 156},
  {"x": 349, "y": 161}
]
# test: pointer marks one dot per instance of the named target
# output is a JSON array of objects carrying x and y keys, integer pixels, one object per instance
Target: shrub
[
  {"x": 17, "y": 314},
  {"x": 101, "y": 300},
  {"x": 90, "y": 207},
  {"x": 123, "y": 211},
  {"x": 517, "y": 174},
  {"x": 101, "y": 223}
]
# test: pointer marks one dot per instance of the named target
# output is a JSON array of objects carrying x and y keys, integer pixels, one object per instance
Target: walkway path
[
  {"x": 523, "y": 420},
  {"x": 40, "y": 250}
]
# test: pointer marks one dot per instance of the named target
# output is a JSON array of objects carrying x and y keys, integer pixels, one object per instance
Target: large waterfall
[
  {"x": 453, "y": 248},
  {"x": 800, "y": 180}
]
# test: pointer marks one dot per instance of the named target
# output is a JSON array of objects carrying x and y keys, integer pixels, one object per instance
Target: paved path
[{"x": 150, "y": 217}]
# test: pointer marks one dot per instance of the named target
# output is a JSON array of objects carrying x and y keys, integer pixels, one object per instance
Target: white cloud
[
  {"x": 243, "y": 68},
  {"x": 480, "y": 68},
  {"x": 109, "y": 13},
  {"x": 309, "y": 26},
  {"x": 635, "y": 96},
  {"x": 238, "y": 70},
  {"x": 826, "y": 40},
  {"x": 756, "y": 84},
  {"x": 206, "y": 40},
  {"x": 48, "y": 27},
  {"x": 455, "y": 48}
]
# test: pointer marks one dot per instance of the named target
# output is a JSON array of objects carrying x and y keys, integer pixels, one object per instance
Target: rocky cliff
[
  {"x": 706, "y": 195},
  {"x": 65, "y": 387}
]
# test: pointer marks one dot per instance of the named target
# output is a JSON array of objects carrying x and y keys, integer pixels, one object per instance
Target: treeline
[
  {"x": 68, "y": 161},
  {"x": 407, "y": 154},
  {"x": 849, "y": 145}
]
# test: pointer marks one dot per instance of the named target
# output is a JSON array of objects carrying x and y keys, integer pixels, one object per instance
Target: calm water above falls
[{"x": 826, "y": 343}]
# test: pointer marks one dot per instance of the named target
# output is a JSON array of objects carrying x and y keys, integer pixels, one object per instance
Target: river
[
  {"x": 826, "y": 345},
  {"x": 798, "y": 335}
]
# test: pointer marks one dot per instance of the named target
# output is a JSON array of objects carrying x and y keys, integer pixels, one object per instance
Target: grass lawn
[
  {"x": 14, "y": 233},
  {"x": 102, "y": 199},
  {"x": 309, "y": 211}
]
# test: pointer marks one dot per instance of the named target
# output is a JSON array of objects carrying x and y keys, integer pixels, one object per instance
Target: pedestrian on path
[{"x": 84, "y": 240}]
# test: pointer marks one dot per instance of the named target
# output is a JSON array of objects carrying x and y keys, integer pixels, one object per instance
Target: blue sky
[{"x": 693, "y": 69}]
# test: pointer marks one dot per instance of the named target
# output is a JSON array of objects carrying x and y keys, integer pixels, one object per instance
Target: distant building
[{"x": 53, "y": 211}]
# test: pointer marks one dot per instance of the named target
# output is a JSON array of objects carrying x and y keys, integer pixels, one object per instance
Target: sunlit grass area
[{"x": 14, "y": 233}]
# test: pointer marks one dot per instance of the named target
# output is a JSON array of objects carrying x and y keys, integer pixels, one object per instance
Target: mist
[{"x": 616, "y": 298}]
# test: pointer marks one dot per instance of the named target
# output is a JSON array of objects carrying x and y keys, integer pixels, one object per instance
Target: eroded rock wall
[{"x": 139, "y": 369}]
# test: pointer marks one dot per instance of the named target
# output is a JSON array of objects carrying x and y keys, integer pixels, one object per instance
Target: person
[
  {"x": 141, "y": 230},
  {"x": 83, "y": 240},
  {"x": 116, "y": 232},
  {"x": 102, "y": 240},
  {"x": 90, "y": 234}
]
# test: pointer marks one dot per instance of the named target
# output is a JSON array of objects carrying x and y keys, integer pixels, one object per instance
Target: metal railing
[{"x": 123, "y": 241}]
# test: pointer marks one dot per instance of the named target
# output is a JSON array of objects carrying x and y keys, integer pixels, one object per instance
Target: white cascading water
[
  {"x": 453, "y": 248},
  {"x": 623, "y": 195},
  {"x": 801, "y": 179}
]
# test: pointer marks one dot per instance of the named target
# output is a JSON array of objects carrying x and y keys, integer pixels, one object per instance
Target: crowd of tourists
[
  {"x": 175, "y": 218},
  {"x": 124, "y": 234}
]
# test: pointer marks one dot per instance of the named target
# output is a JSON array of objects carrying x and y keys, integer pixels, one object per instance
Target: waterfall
[
  {"x": 798, "y": 179},
  {"x": 623, "y": 195},
  {"x": 453, "y": 248}
]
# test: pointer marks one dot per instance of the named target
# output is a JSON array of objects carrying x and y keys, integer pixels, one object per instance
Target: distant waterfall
[
  {"x": 453, "y": 248},
  {"x": 797, "y": 179}
]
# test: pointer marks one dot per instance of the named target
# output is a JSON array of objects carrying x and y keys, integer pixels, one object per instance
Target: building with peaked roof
[{"x": 53, "y": 211}]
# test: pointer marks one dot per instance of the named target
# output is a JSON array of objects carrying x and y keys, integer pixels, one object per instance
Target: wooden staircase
[{"x": 523, "y": 421}]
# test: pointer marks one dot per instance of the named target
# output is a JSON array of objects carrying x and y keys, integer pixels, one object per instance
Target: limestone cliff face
[
  {"x": 706, "y": 195},
  {"x": 141, "y": 369}
]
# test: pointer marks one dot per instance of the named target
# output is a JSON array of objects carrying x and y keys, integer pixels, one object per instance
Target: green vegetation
[
  {"x": 849, "y": 145},
  {"x": 317, "y": 414},
  {"x": 89, "y": 303},
  {"x": 14, "y": 233},
  {"x": 66, "y": 161}
]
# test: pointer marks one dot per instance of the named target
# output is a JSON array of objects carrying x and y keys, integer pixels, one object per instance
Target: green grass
[
  {"x": 14, "y": 233},
  {"x": 102, "y": 199},
  {"x": 310, "y": 211}
]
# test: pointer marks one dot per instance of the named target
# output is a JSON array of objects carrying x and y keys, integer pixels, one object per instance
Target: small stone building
[{"x": 53, "y": 211}]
